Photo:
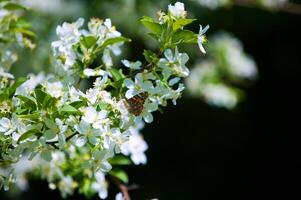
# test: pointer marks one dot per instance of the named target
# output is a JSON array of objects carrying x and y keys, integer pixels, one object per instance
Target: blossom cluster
[
  {"x": 13, "y": 30},
  {"x": 78, "y": 137},
  {"x": 219, "y": 78}
]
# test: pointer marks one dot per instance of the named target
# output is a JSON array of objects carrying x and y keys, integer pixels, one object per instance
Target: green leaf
[
  {"x": 50, "y": 124},
  {"x": 46, "y": 155},
  {"x": 116, "y": 74},
  {"x": 151, "y": 24},
  {"x": 117, "y": 84},
  {"x": 33, "y": 116},
  {"x": 156, "y": 37},
  {"x": 25, "y": 32},
  {"x": 89, "y": 41},
  {"x": 4, "y": 94},
  {"x": 185, "y": 36},
  {"x": 68, "y": 109},
  {"x": 22, "y": 23},
  {"x": 111, "y": 41},
  {"x": 150, "y": 56},
  {"x": 13, "y": 6},
  {"x": 28, "y": 134},
  {"x": 78, "y": 104},
  {"x": 29, "y": 101},
  {"x": 120, "y": 160},
  {"x": 102, "y": 106},
  {"x": 86, "y": 189},
  {"x": 13, "y": 88},
  {"x": 44, "y": 99},
  {"x": 180, "y": 23},
  {"x": 120, "y": 174},
  {"x": 115, "y": 40},
  {"x": 49, "y": 134}
]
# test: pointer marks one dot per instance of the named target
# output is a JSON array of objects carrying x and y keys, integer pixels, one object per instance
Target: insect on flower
[{"x": 136, "y": 103}]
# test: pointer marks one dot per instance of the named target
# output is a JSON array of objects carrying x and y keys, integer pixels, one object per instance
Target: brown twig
[{"x": 123, "y": 188}]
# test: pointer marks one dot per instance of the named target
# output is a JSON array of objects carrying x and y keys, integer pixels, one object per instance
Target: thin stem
[{"x": 123, "y": 188}]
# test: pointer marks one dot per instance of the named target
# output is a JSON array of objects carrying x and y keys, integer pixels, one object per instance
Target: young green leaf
[
  {"x": 49, "y": 134},
  {"x": 112, "y": 41},
  {"x": 13, "y": 88},
  {"x": 13, "y": 6},
  {"x": 28, "y": 101},
  {"x": 119, "y": 174},
  {"x": 50, "y": 124},
  {"x": 185, "y": 36},
  {"x": 181, "y": 22},
  {"x": 150, "y": 56},
  {"x": 116, "y": 74},
  {"x": 151, "y": 24},
  {"x": 88, "y": 41},
  {"x": 46, "y": 155},
  {"x": 44, "y": 100},
  {"x": 68, "y": 109},
  {"x": 28, "y": 134},
  {"x": 120, "y": 160}
]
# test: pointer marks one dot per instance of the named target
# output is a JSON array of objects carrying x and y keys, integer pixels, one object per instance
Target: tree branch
[{"x": 123, "y": 188}]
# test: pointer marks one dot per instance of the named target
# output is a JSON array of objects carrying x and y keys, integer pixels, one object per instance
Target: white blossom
[
  {"x": 119, "y": 196},
  {"x": 5, "y": 74},
  {"x": 87, "y": 133},
  {"x": 113, "y": 137},
  {"x": 135, "y": 147},
  {"x": 174, "y": 64},
  {"x": 69, "y": 34},
  {"x": 132, "y": 65},
  {"x": 100, "y": 186},
  {"x": 220, "y": 95},
  {"x": 97, "y": 119},
  {"x": 55, "y": 89},
  {"x": 201, "y": 37},
  {"x": 6, "y": 126},
  {"x": 31, "y": 83},
  {"x": 178, "y": 10},
  {"x": 140, "y": 85}
]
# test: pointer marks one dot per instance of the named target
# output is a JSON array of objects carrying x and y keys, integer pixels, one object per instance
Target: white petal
[
  {"x": 126, "y": 63},
  {"x": 105, "y": 166},
  {"x": 148, "y": 117},
  {"x": 202, "y": 31},
  {"x": 168, "y": 54},
  {"x": 129, "y": 83},
  {"x": 89, "y": 72},
  {"x": 130, "y": 93},
  {"x": 200, "y": 43},
  {"x": 81, "y": 141},
  {"x": 173, "y": 81}
]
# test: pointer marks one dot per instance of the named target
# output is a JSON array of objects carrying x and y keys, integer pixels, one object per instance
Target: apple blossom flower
[
  {"x": 201, "y": 37},
  {"x": 178, "y": 10},
  {"x": 97, "y": 119},
  {"x": 174, "y": 64},
  {"x": 140, "y": 85},
  {"x": 132, "y": 65},
  {"x": 100, "y": 186}
]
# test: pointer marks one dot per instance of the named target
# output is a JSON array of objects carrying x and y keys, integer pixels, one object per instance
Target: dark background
[{"x": 200, "y": 152}]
